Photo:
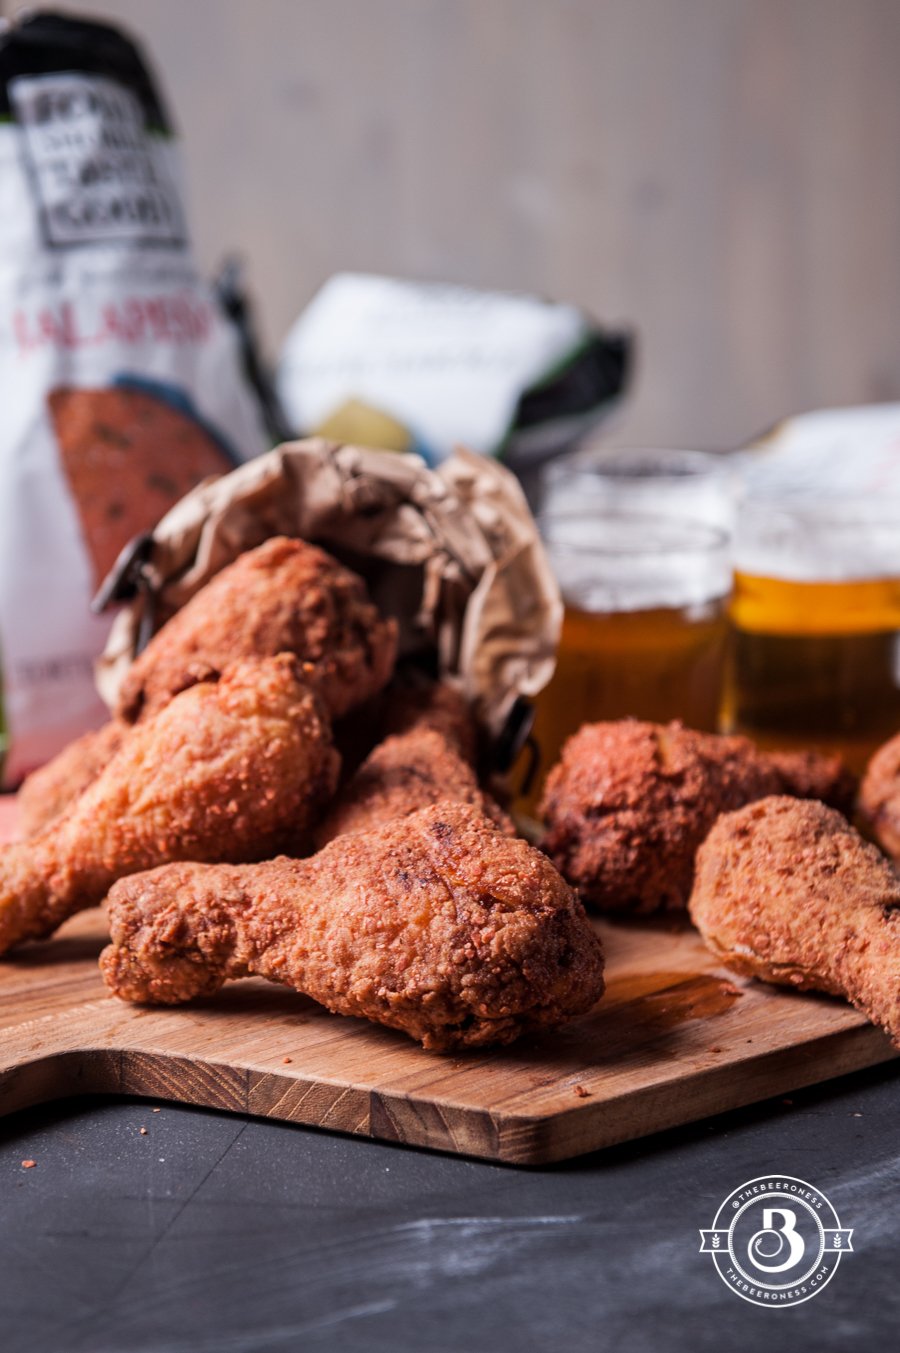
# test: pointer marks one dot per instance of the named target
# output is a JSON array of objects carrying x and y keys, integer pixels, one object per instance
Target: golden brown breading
[
  {"x": 284, "y": 597},
  {"x": 628, "y": 804},
  {"x": 349, "y": 648},
  {"x": 50, "y": 790},
  {"x": 786, "y": 890},
  {"x": 227, "y": 771},
  {"x": 401, "y": 775},
  {"x": 435, "y": 924},
  {"x": 878, "y": 805},
  {"x": 409, "y": 701},
  {"x": 405, "y": 773},
  {"x": 433, "y": 705},
  {"x": 812, "y": 775}
]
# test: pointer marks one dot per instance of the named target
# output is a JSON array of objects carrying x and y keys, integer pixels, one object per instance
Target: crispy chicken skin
[
  {"x": 812, "y": 775},
  {"x": 428, "y": 763},
  {"x": 284, "y": 597},
  {"x": 48, "y": 791},
  {"x": 227, "y": 771},
  {"x": 436, "y": 924},
  {"x": 786, "y": 890},
  {"x": 628, "y": 804},
  {"x": 878, "y": 805},
  {"x": 436, "y": 705},
  {"x": 409, "y": 701}
]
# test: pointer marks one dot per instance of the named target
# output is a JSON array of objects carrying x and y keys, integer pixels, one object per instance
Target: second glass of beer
[
  {"x": 646, "y": 588},
  {"x": 817, "y": 624}
]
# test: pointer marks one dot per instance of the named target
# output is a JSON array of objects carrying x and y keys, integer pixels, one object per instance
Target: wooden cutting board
[{"x": 675, "y": 1039}]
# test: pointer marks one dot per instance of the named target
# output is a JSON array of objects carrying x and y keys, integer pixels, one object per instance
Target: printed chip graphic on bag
[
  {"x": 123, "y": 386},
  {"x": 116, "y": 448}
]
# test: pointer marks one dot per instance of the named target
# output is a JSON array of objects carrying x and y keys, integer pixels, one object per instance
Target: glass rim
[
  {"x": 686, "y": 464},
  {"x": 694, "y": 537},
  {"x": 852, "y": 510},
  {"x": 826, "y": 505}
]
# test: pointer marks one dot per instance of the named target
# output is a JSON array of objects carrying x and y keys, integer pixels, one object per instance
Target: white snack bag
[
  {"x": 830, "y": 454},
  {"x": 121, "y": 380},
  {"x": 845, "y": 464},
  {"x": 503, "y": 374}
]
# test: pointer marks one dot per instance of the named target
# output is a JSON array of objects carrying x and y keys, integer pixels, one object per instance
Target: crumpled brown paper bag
[{"x": 452, "y": 553}]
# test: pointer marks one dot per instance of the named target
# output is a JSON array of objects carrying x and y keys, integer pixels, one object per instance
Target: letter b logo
[{"x": 776, "y": 1248}]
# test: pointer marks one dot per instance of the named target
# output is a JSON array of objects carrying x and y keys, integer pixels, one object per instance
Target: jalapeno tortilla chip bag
[{"x": 122, "y": 384}]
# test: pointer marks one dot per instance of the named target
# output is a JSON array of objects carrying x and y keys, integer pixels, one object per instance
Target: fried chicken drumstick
[
  {"x": 879, "y": 798},
  {"x": 429, "y": 762},
  {"x": 787, "y": 891},
  {"x": 48, "y": 792},
  {"x": 283, "y": 597},
  {"x": 436, "y": 924},
  {"x": 401, "y": 775},
  {"x": 436, "y": 705},
  {"x": 814, "y": 775},
  {"x": 228, "y": 771},
  {"x": 628, "y": 804}
]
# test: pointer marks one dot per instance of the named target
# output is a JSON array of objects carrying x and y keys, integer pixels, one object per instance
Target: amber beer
[
  {"x": 817, "y": 664},
  {"x": 816, "y": 618},
  {"x": 659, "y": 664},
  {"x": 645, "y": 626}
]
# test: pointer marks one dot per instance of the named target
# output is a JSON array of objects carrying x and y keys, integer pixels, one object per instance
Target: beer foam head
[
  {"x": 618, "y": 562},
  {"x": 819, "y": 539},
  {"x": 820, "y": 498},
  {"x": 695, "y": 486}
]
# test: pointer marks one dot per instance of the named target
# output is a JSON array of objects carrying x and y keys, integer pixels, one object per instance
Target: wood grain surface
[{"x": 674, "y": 1040}]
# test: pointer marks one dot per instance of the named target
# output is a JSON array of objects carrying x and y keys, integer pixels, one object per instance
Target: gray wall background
[{"x": 724, "y": 175}]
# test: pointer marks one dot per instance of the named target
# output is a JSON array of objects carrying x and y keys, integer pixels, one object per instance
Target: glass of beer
[
  {"x": 645, "y": 626},
  {"x": 816, "y": 620},
  {"x": 698, "y": 486}
]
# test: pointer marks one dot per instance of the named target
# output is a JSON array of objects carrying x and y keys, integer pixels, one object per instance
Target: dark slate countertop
[{"x": 219, "y": 1234}]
